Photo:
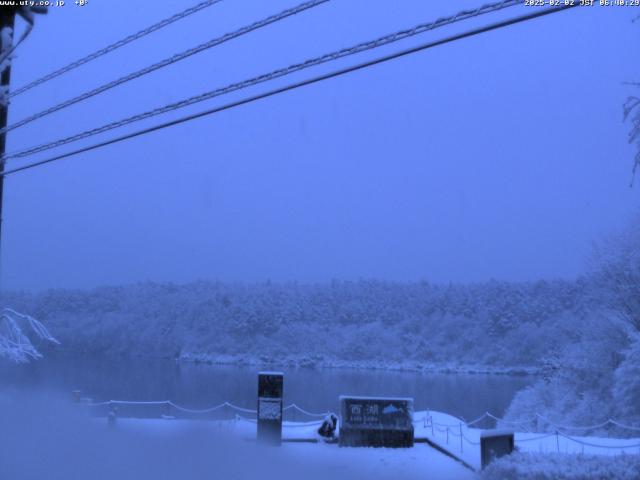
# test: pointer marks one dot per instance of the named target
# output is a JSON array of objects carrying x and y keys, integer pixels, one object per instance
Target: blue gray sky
[{"x": 500, "y": 156}]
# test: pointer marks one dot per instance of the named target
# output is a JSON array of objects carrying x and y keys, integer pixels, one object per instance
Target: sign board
[
  {"x": 495, "y": 444},
  {"x": 376, "y": 422},
  {"x": 270, "y": 388}
]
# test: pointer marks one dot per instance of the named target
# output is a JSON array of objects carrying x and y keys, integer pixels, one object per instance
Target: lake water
[{"x": 202, "y": 386}]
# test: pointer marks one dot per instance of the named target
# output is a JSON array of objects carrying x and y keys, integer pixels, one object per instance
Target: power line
[
  {"x": 115, "y": 46},
  {"x": 10, "y": 51},
  {"x": 469, "y": 33},
  {"x": 167, "y": 61},
  {"x": 335, "y": 55}
]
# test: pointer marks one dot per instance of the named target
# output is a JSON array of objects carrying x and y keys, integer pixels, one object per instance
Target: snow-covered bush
[
  {"x": 16, "y": 334},
  {"x": 538, "y": 466}
]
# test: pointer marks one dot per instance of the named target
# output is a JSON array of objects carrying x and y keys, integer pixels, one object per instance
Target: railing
[
  {"x": 169, "y": 403},
  {"x": 456, "y": 430}
]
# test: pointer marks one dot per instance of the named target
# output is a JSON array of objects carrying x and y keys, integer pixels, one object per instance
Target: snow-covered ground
[
  {"x": 440, "y": 428},
  {"x": 451, "y": 434},
  {"x": 419, "y": 462}
]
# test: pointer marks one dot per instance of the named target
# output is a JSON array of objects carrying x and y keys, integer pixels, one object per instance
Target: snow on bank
[{"x": 323, "y": 362}]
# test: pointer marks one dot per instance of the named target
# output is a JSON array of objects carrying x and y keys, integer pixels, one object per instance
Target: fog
[
  {"x": 52, "y": 438},
  {"x": 501, "y": 156},
  {"x": 55, "y": 439},
  {"x": 411, "y": 229}
]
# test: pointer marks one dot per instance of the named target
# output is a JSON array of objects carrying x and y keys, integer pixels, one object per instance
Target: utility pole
[{"x": 7, "y": 21}]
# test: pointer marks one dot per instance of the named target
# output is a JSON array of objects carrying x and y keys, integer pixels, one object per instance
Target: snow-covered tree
[
  {"x": 17, "y": 334},
  {"x": 632, "y": 114},
  {"x": 617, "y": 269},
  {"x": 597, "y": 375},
  {"x": 626, "y": 389}
]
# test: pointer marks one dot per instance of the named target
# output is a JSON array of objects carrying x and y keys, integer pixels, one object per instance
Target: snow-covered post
[
  {"x": 112, "y": 416},
  {"x": 557, "y": 441},
  {"x": 461, "y": 437},
  {"x": 447, "y": 435}
]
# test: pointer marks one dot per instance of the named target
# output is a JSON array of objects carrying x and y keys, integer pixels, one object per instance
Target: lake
[{"x": 201, "y": 386}]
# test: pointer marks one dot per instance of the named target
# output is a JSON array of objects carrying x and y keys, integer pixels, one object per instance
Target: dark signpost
[
  {"x": 270, "y": 386},
  {"x": 495, "y": 444},
  {"x": 376, "y": 422}
]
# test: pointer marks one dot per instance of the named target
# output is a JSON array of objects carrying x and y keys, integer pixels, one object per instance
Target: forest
[{"x": 486, "y": 326}]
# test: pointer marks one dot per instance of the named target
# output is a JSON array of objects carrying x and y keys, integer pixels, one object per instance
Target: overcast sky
[{"x": 499, "y": 156}]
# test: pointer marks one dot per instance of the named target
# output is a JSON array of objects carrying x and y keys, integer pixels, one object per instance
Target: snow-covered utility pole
[{"x": 7, "y": 22}]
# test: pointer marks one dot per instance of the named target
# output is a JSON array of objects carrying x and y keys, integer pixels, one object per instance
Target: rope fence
[
  {"x": 589, "y": 444},
  {"x": 441, "y": 427},
  {"x": 455, "y": 430},
  {"x": 537, "y": 417},
  {"x": 214, "y": 408}
]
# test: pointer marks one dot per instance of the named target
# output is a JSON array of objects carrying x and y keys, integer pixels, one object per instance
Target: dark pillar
[{"x": 270, "y": 387}]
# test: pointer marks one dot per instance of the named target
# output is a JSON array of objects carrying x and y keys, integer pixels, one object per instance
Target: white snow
[
  {"x": 15, "y": 332},
  {"x": 450, "y": 433},
  {"x": 419, "y": 462},
  {"x": 447, "y": 431}
]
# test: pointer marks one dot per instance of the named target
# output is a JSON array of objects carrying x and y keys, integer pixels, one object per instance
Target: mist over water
[{"x": 202, "y": 386}]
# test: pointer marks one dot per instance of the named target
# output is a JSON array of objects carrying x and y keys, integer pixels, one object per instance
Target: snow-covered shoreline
[{"x": 327, "y": 363}]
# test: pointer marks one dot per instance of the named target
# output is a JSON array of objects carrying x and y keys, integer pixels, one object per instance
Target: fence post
[
  {"x": 433, "y": 434},
  {"x": 557, "y": 441},
  {"x": 461, "y": 437},
  {"x": 112, "y": 416},
  {"x": 447, "y": 435}
]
